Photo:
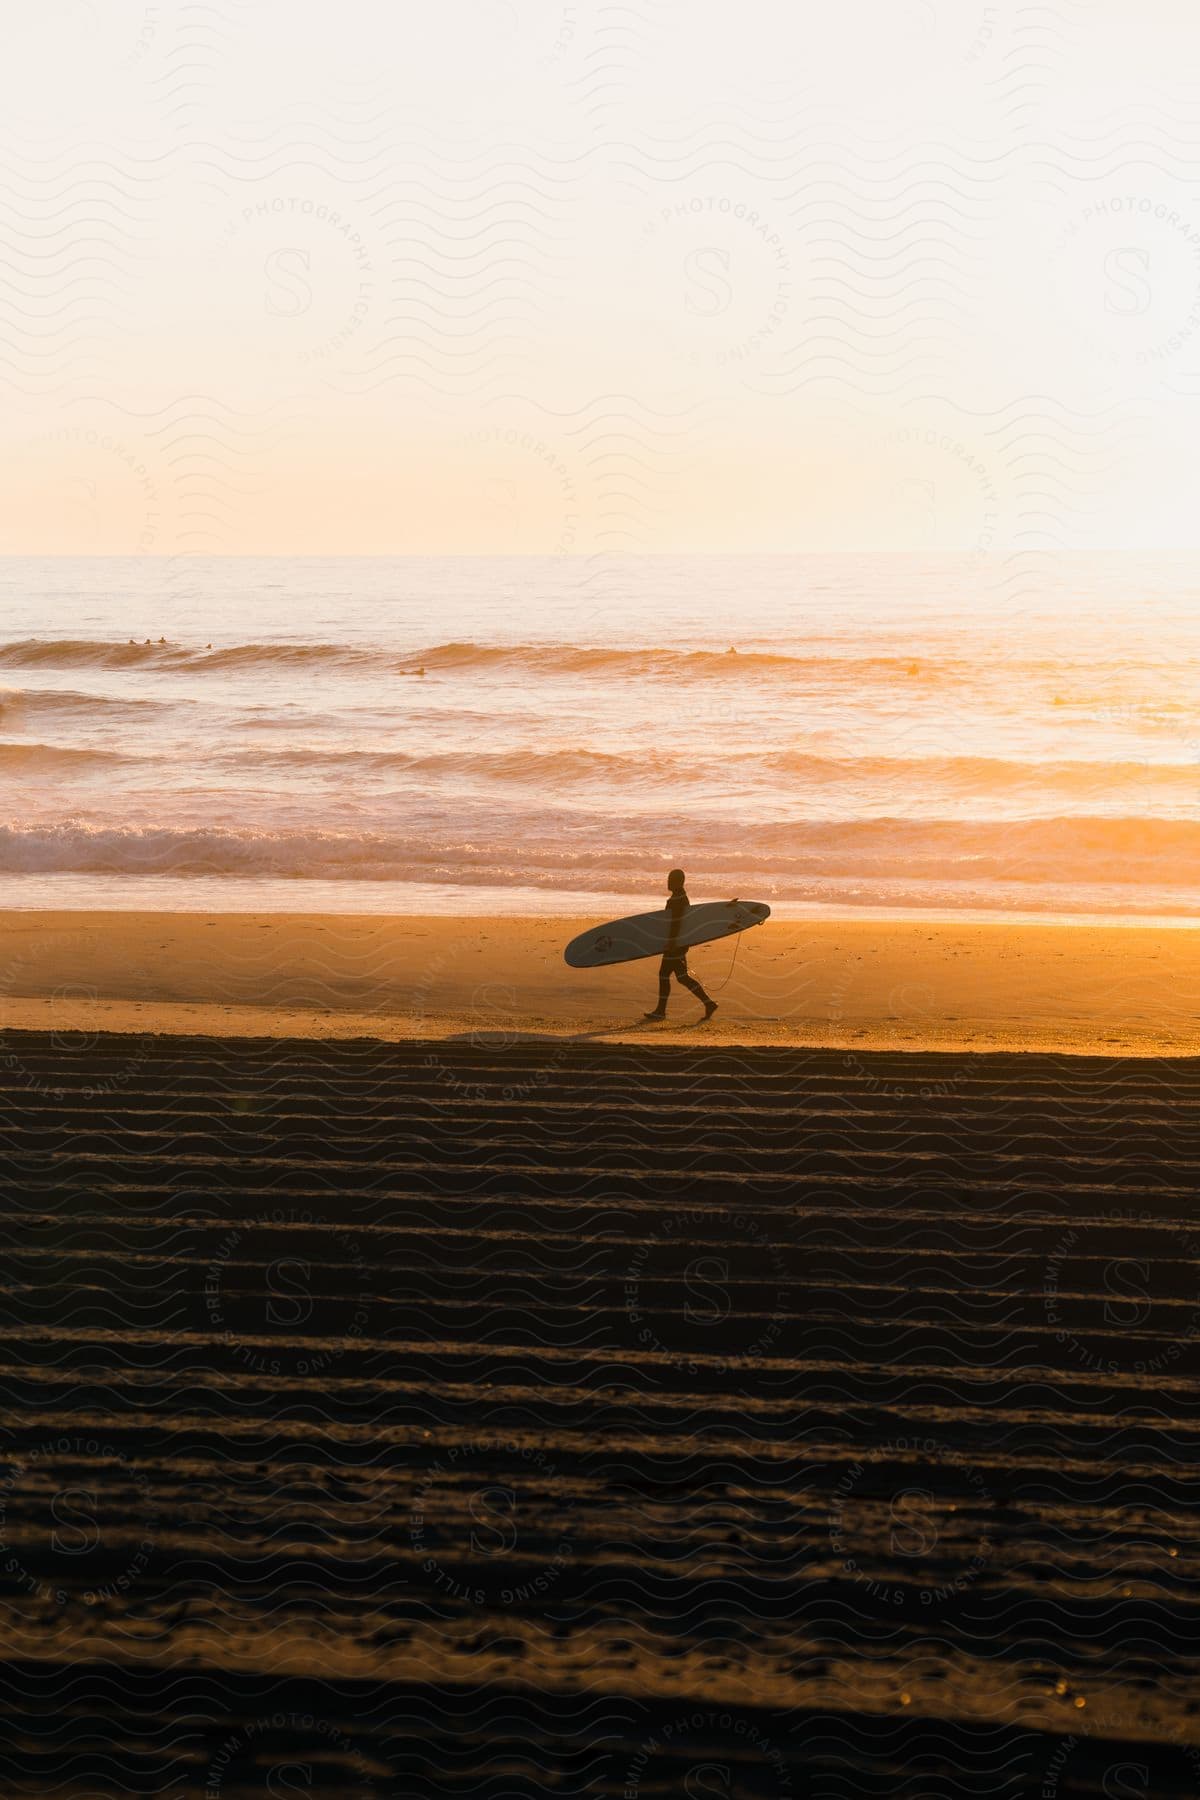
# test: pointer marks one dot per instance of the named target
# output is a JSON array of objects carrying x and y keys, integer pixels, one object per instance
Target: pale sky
[{"x": 527, "y": 275}]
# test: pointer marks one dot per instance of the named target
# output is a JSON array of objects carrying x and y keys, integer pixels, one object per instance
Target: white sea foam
[{"x": 880, "y": 731}]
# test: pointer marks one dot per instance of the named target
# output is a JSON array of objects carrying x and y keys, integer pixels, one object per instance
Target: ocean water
[{"x": 975, "y": 736}]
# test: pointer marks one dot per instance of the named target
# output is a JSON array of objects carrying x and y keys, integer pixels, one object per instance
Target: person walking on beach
[{"x": 674, "y": 960}]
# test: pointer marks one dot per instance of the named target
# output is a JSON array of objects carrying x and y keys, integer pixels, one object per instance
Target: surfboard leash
[{"x": 737, "y": 946}]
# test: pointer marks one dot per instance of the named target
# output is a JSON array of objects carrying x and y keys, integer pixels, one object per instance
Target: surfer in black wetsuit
[{"x": 674, "y": 961}]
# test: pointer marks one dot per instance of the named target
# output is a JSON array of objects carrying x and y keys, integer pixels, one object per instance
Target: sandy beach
[
  {"x": 862, "y": 985},
  {"x": 417, "y": 1366},
  {"x": 604, "y": 1415}
]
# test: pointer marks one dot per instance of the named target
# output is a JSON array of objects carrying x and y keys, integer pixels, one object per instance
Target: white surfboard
[{"x": 646, "y": 934}]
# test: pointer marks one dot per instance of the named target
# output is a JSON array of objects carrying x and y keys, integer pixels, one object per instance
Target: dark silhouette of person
[{"x": 674, "y": 960}]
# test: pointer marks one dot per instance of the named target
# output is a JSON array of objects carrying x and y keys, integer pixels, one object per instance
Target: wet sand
[
  {"x": 465, "y": 1417},
  {"x": 865, "y": 985}
]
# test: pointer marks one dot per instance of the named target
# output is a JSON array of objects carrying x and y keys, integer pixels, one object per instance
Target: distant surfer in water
[{"x": 674, "y": 961}]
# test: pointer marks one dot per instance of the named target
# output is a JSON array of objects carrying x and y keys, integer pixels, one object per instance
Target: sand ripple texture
[{"x": 547, "y": 1419}]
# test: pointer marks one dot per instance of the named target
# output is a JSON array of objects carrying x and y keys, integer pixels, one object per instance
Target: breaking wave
[
  {"x": 986, "y": 777},
  {"x": 34, "y": 759},
  {"x": 554, "y": 659},
  {"x": 20, "y": 704},
  {"x": 1119, "y": 851}
]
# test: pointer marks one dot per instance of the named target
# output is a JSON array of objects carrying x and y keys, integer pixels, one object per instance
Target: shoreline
[
  {"x": 293, "y": 896},
  {"x": 1124, "y": 989}
]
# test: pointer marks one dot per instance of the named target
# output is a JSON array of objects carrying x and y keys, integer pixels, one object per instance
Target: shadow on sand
[{"x": 497, "y": 1040}]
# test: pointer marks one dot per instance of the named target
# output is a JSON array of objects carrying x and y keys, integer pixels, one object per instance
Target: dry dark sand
[{"x": 434, "y": 1418}]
